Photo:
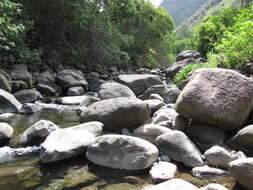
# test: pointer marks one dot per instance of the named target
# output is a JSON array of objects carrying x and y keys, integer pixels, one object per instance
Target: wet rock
[
  {"x": 75, "y": 91},
  {"x": 206, "y": 172},
  {"x": 150, "y": 132},
  {"x": 28, "y": 96},
  {"x": 118, "y": 113},
  {"x": 188, "y": 54},
  {"x": 114, "y": 90},
  {"x": 220, "y": 157},
  {"x": 69, "y": 142},
  {"x": 30, "y": 108},
  {"x": 154, "y": 105},
  {"x": 9, "y": 104},
  {"x": 157, "y": 89},
  {"x": 139, "y": 83},
  {"x": 37, "y": 133},
  {"x": 20, "y": 73},
  {"x": 242, "y": 171},
  {"x": 173, "y": 184},
  {"x": 5, "y": 81},
  {"x": 216, "y": 96},
  {"x": 71, "y": 78},
  {"x": 205, "y": 136},
  {"x": 162, "y": 171},
  {"x": 122, "y": 152},
  {"x": 213, "y": 186},
  {"x": 179, "y": 147},
  {"x": 6, "y": 132}
]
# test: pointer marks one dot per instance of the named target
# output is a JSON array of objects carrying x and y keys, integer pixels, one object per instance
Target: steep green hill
[{"x": 181, "y": 10}]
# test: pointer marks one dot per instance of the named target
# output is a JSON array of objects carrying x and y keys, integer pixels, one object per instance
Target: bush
[{"x": 187, "y": 70}]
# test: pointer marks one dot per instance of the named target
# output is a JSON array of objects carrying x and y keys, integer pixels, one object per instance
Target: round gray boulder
[{"x": 122, "y": 152}]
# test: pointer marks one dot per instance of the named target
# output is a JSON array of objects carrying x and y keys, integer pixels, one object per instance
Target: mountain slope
[{"x": 181, "y": 10}]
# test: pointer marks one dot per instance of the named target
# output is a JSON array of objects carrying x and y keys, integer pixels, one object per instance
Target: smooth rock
[
  {"x": 162, "y": 171},
  {"x": 164, "y": 117},
  {"x": 69, "y": 142},
  {"x": 28, "y": 96},
  {"x": 205, "y": 136},
  {"x": 89, "y": 100},
  {"x": 150, "y": 132},
  {"x": 118, "y": 113},
  {"x": 30, "y": 108},
  {"x": 171, "y": 93},
  {"x": 242, "y": 171},
  {"x": 213, "y": 186},
  {"x": 75, "y": 91},
  {"x": 94, "y": 83},
  {"x": 157, "y": 89},
  {"x": 9, "y": 104},
  {"x": 154, "y": 105},
  {"x": 173, "y": 184},
  {"x": 37, "y": 133},
  {"x": 179, "y": 147},
  {"x": 206, "y": 172},
  {"x": 71, "y": 100},
  {"x": 139, "y": 83},
  {"x": 220, "y": 157},
  {"x": 48, "y": 90},
  {"x": 71, "y": 78},
  {"x": 122, "y": 152},
  {"x": 156, "y": 96},
  {"x": 114, "y": 90},
  {"x": 188, "y": 54},
  {"x": 6, "y": 132},
  {"x": 220, "y": 97}
]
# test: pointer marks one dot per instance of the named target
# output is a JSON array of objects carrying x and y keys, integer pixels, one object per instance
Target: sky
[{"x": 156, "y": 2}]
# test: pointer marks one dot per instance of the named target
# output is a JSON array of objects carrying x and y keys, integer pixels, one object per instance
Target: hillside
[
  {"x": 183, "y": 9},
  {"x": 210, "y": 8}
]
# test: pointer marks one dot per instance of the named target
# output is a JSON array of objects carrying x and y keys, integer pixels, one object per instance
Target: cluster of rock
[{"x": 139, "y": 122}]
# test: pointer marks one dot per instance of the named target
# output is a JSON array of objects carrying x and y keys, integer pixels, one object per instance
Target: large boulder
[
  {"x": 5, "y": 81},
  {"x": 139, "y": 83},
  {"x": 118, "y": 113},
  {"x": 173, "y": 184},
  {"x": 220, "y": 97},
  {"x": 9, "y": 104},
  {"x": 20, "y": 73},
  {"x": 205, "y": 136},
  {"x": 188, "y": 54},
  {"x": 114, "y": 90},
  {"x": 177, "y": 146},
  {"x": 122, "y": 152},
  {"x": 28, "y": 96},
  {"x": 69, "y": 142},
  {"x": 37, "y": 133},
  {"x": 242, "y": 171},
  {"x": 6, "y": 132},
  {"x": 244, "y": 139},
  {"x": 71, "y": 78}
]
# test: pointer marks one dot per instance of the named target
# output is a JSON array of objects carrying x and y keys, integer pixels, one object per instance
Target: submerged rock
[
  {"x": 69, "y": 142},
  {"x": 122, "y": 152},
  {"x": 220, "y": 97}
]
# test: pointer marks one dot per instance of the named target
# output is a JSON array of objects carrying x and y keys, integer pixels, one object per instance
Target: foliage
[
  {"x": 98, "y": 32},
  {"x": 187, "y": 70},
  {"x": 13, "y": 31}
]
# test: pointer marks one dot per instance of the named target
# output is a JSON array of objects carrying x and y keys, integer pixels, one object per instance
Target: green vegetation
[
  {"x": 186, "y": 71},
  {"x": 86, "y": 34}
]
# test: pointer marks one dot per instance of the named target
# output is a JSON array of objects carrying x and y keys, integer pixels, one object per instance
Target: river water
[{"x": 26, "y": 173}]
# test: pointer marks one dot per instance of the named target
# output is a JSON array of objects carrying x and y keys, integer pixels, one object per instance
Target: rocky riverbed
[{"x": 62, "y": 130}]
